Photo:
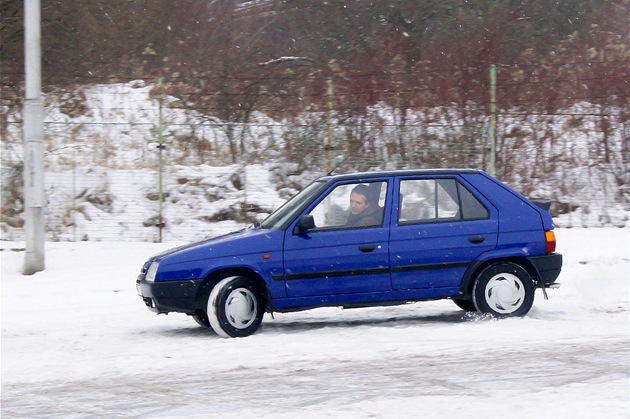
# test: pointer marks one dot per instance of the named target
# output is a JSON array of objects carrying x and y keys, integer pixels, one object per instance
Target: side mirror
[{"x": 306, "y": 223}]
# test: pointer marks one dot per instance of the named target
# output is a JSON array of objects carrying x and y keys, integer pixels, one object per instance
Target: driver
[{"x": 363, "y": 212}]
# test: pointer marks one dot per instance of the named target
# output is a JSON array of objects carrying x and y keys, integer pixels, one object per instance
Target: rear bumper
[
  {"x": 169, "y": 296},
  {"x": 547, "y": 267}
]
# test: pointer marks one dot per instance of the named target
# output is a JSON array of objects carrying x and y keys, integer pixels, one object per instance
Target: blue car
[{"x": 366, "y": 239}]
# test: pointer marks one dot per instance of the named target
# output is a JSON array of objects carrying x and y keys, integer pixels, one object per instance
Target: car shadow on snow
[
  {"x": 302, "y": 324},
  {"x": 299, "y": 325},
  {"x": 193, "y": 331}
]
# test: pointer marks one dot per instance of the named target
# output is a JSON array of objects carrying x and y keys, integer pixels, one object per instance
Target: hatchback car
[{"x": 366, "y": 239}]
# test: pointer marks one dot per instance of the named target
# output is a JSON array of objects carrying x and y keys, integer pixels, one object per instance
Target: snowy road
[
  {"x": 76, "y": 342},
  {"x": 468, "y": 378}
]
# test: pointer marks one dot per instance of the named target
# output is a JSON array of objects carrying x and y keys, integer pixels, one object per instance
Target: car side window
[
  {"x": 351, "y": 205},
  {"x": 472, "y": 209},
  {"x": 434, "y": 200}
]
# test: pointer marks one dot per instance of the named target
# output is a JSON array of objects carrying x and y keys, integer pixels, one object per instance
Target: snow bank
[{"x": 102, "y": 164}]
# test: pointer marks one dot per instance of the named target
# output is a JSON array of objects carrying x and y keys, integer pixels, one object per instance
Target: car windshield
[{"x": 285, "y": 213}]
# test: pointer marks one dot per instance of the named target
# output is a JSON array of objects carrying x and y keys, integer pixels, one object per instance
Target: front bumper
[
  {"x": 169, "y": 296},
  {"x": 548, "y": 267}
]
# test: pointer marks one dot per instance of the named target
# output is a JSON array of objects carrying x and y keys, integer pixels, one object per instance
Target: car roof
[{"x": 405, "y": 172}]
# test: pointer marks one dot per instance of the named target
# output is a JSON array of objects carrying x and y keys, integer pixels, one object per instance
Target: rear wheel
[
  {"x": 504, "y": 290},
  {"x": 235, "y": 307}
]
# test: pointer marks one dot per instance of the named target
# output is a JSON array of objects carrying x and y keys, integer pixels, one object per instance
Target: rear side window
[
  {"x": 435, "y": 200},
  {"x": 472, "y": 209}
]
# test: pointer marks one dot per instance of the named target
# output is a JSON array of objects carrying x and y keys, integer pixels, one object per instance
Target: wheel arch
[
  {"x": 204, "y": 290},
  {"x": 473, "y": 271}
]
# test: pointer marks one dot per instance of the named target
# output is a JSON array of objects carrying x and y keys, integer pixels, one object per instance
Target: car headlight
[{"x": 152, "y": 271}]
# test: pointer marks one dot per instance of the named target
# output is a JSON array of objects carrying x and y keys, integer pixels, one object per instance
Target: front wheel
[
  {"x": 235, "y": 307},
  {"x": 201, "y": 319},
  {"x": 466, "y": 305},
  {"x": 504, "y": 290}
]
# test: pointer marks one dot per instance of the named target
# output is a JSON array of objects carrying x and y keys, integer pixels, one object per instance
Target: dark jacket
[{"x": 371, "y": 216}]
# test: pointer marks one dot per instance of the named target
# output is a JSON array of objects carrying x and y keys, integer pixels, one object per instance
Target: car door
[
  {"x": 440, "y": 226},
  {"x": 333, "y": 258}
]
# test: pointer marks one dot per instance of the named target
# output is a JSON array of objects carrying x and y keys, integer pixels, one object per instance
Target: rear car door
[
  {"x": 335, "y": 258},
  {"x": 440, "y": 225}
]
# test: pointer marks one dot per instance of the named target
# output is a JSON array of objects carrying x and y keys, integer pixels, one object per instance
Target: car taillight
[{"x": 551, "y": 241}]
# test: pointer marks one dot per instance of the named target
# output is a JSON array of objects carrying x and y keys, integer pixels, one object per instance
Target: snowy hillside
[{"x": 102, "y": 167}]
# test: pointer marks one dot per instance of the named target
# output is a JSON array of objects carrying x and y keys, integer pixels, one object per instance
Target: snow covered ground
[{"x": 78, "y": 342}]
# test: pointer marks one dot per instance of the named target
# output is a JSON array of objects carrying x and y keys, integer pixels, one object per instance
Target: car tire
[
  {"x": 201, "y": 318},
  {"x": 235, "y": 307},
  {"x": 504, "y": 290},
  {"x": 466, "y": 305}
]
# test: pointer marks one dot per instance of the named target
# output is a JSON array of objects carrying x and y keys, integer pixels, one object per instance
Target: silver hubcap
[
  {"x": 241, "y": 308},
  {"x": 505, "y": 293}
]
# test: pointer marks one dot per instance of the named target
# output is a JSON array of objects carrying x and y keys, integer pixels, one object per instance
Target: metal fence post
[
  {"x": 493, "y": 121},
  {"x": 161, "y": 159}
]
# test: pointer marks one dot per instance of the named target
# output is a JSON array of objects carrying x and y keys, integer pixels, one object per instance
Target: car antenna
[{"x": 348, "y": 156}]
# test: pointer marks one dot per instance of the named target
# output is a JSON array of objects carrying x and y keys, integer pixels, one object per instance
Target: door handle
[
  {"x": 476, "y": 239},
  {"x": 367, "y": 248}
]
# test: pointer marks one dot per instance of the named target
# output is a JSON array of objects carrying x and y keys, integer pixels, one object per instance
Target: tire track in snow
[{"x": 333, "y": 382}]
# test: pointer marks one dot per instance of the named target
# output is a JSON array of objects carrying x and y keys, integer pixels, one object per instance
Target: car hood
[{"x": 238, "y": 243}]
